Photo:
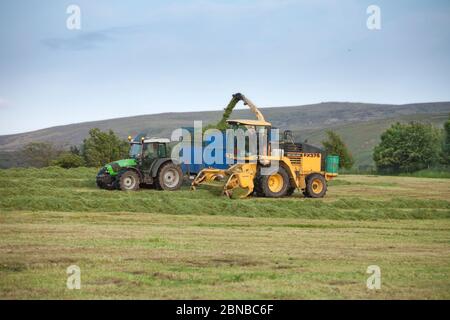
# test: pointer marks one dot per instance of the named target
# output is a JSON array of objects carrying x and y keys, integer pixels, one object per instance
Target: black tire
[
  {"x": 100, "y": 184},
  {"x": 290, "y": 191},
  {"x": 316, "y": 186},
  {"x": 109, "y": 186},
  {"x": 104, "y": 180},
  {"x": 128, "y": 181},
  {"x": 169, "y": 178},
  {"x": 266, "y": 184},
  {"x": 257, "y": 182}
]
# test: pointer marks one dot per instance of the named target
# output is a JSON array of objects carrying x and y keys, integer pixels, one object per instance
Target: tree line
[
  {"x": 96, "y": 150},
  {"x": 402, "y": 148}
]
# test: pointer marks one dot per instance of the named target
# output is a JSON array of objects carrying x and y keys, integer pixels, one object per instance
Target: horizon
[
  {"x": 238, "y": 107},
  {"x": 141, "y": 58}
]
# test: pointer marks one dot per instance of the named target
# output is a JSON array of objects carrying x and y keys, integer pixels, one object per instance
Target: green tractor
[{"x": 149, "y": 164}]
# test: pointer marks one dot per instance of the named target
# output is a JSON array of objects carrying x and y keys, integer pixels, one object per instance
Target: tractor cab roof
[
  {"x": 250, "y": 122},
  {"x": 152, "y": 140}
]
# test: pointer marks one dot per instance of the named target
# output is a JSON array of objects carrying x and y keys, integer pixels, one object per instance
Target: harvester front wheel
[
  {"x": 129, "y": 181},
  {"x": 275, "y": 185},
  {"x": 316, "y": 186},
  {"x": 170, "y": 177}
]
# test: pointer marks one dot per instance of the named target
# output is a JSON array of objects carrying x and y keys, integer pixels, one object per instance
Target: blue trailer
[{"x": 194, "y": 146}]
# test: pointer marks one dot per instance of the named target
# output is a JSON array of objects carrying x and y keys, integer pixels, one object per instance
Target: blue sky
[{"x": 142, "y": 57}]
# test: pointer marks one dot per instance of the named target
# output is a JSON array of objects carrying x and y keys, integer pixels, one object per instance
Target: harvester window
[
  {"x": 250, "y": 149},
  {"x": 262, "y": 141}
]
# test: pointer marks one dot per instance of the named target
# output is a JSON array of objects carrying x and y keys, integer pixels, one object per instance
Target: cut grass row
[{"x": 350, "y": 197}]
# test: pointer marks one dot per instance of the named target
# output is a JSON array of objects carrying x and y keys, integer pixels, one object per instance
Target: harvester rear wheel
[
  {"x": 170, "y": 177},
  {"x": 275, "y": 185},
  {"x": 316, "y": 186}
]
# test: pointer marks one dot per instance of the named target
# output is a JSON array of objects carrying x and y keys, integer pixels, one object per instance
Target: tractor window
[
  {"x": 135, "y": 150},
  {"x": 162, "y": 150},
  {"x": 150, "y": 150}
]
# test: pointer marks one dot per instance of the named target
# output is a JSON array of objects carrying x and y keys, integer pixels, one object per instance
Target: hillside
[
  {"x": 360, "y": 124},
  {"x": 361, "y": 137}
]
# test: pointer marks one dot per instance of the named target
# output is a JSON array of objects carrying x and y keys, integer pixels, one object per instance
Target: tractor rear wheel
[
  {"x": 170, "y": 177},
  {"x": 275, "y": 185},
  {"x": 316, "y": 186},
  {"x": 129, "y": 181}
]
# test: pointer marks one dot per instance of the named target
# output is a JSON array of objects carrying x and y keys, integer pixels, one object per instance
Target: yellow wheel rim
[
  {"x": 275, "y": 182},
  {"x": 317, "y": 186}
]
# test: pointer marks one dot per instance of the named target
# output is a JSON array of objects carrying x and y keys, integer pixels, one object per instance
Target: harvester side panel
[{"x": 311, "y": 162}]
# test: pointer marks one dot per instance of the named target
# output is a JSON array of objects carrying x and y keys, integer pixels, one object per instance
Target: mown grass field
[{"x": 151, "y": 244}]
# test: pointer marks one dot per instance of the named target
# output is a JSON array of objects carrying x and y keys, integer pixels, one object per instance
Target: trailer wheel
[
  {"x": 275, "y": 185},
  {"x": 316, "y": 186},
  {"x": 129, "y": 181},
  {"x": 170, "y": 177}
]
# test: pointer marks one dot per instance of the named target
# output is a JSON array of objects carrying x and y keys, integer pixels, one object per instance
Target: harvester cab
[
  {"x": 149, "y": 163},
  {"x": 271, "y": 170}
]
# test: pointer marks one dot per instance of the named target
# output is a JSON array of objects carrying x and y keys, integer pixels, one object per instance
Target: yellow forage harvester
[{"x": 270, "y": 172}]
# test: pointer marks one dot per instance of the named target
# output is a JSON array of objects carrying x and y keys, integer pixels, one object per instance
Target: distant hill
[{"x": 360, "y": 124}]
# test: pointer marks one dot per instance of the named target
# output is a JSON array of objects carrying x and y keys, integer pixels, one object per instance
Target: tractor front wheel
[{"x": 129, "y": 181}]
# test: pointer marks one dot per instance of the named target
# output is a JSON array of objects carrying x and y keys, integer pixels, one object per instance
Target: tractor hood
[{"x": 114, "y": 167}]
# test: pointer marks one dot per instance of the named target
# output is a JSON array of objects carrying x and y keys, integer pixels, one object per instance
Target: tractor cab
[{"x": 149, "y": 149}]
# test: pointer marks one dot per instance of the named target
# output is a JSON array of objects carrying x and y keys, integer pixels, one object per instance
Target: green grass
[
  {"x": 429, "y": 173},
  {"x": 154, "y": 256},
  {"x": 432, "y": 173},
  {"x": 185, "y": 244},
  {"x": 74, "y": 190}
]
